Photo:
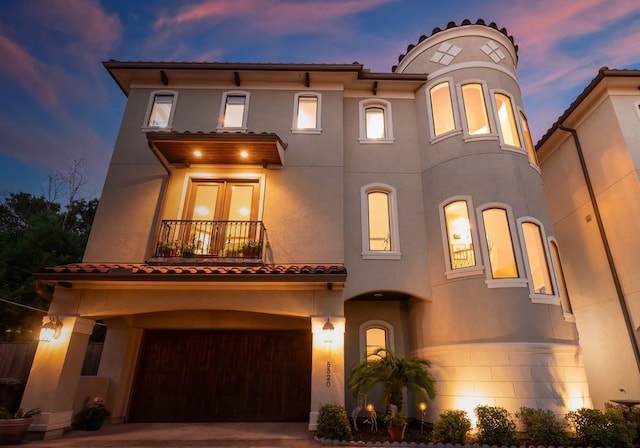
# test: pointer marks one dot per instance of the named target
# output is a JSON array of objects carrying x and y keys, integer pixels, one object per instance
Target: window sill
[
  {"x": 306, "y": 131},
  {"x": 387, "y": 255},
  {"x": 156, "y": 129},
  {"x": 506, "y": 283},
  {"x": 545, "y": 299},
  {"x": 515, "y": 149},
  {"x": 464, "y": 272},
  {"x": 381, "y": 141},
  {"x": 239, "y": 130},
  {"x": 445, "y": 136},
  {"x": 478, "y": 138}
]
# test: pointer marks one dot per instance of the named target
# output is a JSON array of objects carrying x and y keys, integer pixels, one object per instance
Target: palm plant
[{"x": 395, "y": 374}]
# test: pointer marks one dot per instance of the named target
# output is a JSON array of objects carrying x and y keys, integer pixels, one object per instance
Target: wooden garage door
[{"x": 193, "y": 376}]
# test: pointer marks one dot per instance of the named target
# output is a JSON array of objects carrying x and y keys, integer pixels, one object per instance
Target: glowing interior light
[
  {"x": 244, "y": 211},
  {"x": 197, "y": 153},
  {"x": 202, "y": 210},
  {"x": 244, "y": 154}
]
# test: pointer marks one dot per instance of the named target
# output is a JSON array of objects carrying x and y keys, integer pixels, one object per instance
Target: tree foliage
[{"x": 34, "y": 233}]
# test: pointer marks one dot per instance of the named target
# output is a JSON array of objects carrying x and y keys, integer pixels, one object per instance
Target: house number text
[{"x": 328, "y": 374}]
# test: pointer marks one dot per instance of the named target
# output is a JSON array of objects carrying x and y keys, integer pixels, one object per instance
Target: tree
[{"x": 396, "y": 375}]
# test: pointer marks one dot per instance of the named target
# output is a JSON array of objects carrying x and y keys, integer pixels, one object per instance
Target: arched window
[
  {"x": 459, "y": 233},
  {"x": 375, "y": 121},
  {"x": 161, "y": 109},
  {"x": 502, "y": 258},
  {"x": 528, "y": 141},
  {"x": 442, "y": 118},
  {"x": 506, "y": 120},
  {"x": 536, "y": 260},
  {"x": 567, "y": 310},
  {"x": 233, "y": 111},
  {"x": 475, "y": 109},
  {"x": 306, "y": 113},
  {"x": 375, "y": 335},
  {"x": 380, "y": 237}
]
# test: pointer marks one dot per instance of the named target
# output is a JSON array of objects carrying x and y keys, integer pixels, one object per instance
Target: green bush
[
  {"x": 606, "y": 428},
  {"x": 495, "y": 426},
  {"x": 333, "y": 423},
  {"x": 543, "y": 428},
  {"x": 451, "y": 427},
  {"x": 631, "y": 415}
]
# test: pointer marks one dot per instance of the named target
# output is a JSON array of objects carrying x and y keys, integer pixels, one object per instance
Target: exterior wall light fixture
[
  {"x": 51, "y": 329},
  {"x": 327, "y": 330}
]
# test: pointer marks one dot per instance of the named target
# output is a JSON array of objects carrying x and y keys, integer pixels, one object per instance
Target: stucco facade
[{"x": 456, "y": 265}]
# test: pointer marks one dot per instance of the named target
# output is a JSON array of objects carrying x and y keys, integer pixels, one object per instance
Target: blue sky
[{"x": 61, "y": 105}]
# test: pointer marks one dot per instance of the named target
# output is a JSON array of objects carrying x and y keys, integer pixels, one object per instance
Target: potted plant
[
  {"x": 396, "y": 424},
  {"x": 251, "y": 249},
  {"x": 13, "y": 426},
  {"x": 93, "y": 413}
]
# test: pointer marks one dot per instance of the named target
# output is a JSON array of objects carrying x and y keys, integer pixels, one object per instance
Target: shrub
[
  {"x": 451, "y": 427},
  {"x": 606, "y": 428},
  {"x": 495, "y": 426},
  {"x": 333, "y": 423},
  {"x": 543, "y": 428}
]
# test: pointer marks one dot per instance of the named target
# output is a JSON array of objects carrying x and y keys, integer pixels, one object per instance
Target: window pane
[
  {"x": 376, "y": 340},
  {"x": 442, "y": 109},
  {"x": 528, "y": 140},
  {"x": 379, "y": 227},
  {"x": 459, "y": 235},
  {"x": 501, "y": 256},
  {"x": 562, "y": 284},
  {"x": 374, "y": 122},
  {"x": 475, "y": 109},
  {"x": 161, "y": 111},
  {"x": 540, "y": 277},
  {"x": 507, "y": 120},
  {"x": 234, "y": 111},
  {"x": 307, "y": 112}
]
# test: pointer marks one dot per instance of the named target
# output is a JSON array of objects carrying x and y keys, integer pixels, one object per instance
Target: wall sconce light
[
  {"x": 327, "y": 330},
  {"x": 50, "y": 330}
]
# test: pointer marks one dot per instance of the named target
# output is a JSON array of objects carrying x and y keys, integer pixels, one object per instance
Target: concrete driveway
[{"x": 231, "y": 435}]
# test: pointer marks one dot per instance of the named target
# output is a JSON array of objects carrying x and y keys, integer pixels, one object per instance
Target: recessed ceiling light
[
  {"x": 377, "y": 294},
  {"x": 197, "y": 153},
  {"x": 244, "y": 154}
]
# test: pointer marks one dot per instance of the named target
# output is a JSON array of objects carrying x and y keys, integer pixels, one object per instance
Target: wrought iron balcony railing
[{"x": 211, "y": 239}]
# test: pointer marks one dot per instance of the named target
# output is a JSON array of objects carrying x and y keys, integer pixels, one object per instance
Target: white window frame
[
  {"x": 147, "y": 115},
  {"x": 245, "y": 115},
  {"x": 550, "y": 299},
  {"x": 394, "y": 253},
  {"x": 516, "y": 119},
  {"x": 296, "y": 104},
  {"x": 536, "y": 165},
  {"x": 462, "y": 272},
  {"x": 454, "y": 108},
  {"x": 492, "y": 135},
  {"x": 375, "y": 323},
  {"x": 388, "y": 121},
  {"x": 568, "y": 315},
  {"x": 515, "y": 282}
]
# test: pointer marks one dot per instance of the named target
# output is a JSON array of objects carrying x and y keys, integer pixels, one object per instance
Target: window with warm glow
[
  {"x": 441, "y": 109},
  {"x": 376, "y": 339},
  {"x": 507, "y": 120},
  {"x": 460, "y": 241},
  {"x": 475, "y": 109},
  {"x": 159, "y": 110},
  {"x": 234, "y": 111},
  {"x": 562, "y": 284},
  {"x": 531, "y": 151},
  {"x": 379, "y": 226},
  {"x": 540, "y": 280},
  {"x": 374, "y": 123},
  {"x": 499, "y": 243},
  {"x": 307, "y": 112}
]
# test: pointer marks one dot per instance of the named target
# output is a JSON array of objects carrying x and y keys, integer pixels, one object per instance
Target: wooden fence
[{"x": 16, "y": 359}]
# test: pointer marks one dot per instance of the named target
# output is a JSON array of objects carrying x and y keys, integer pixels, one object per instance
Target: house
[
  {"x": 263, "y": 227},
  {"x": 590, "y": 159}
]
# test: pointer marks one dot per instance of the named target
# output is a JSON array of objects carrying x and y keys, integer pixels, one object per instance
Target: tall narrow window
[
  {"x": 499, "y": 243},
  {"x": 528, "y": 141},
  {"x": 307, "y": 112},
  {"x": 159, "y": 113},
  {"x": 376, "y": 339},
  {"x": 375, "y": 121},
  {"x": 379, "y": 222},
  {"x": 441, "y": 109},
  {"x": 507, "y": 120},
  {"x": 475, "y": 109},
  {"x": 562, "y": 284},
  {"x": 234, "y": 111},
  {"x": 460, "y": 241},
  {"x": 540, "y": 279}
]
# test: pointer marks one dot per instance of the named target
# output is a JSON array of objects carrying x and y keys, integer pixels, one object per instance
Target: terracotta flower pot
[
  {"x": 12, "y": 430},
  {"x": 396, "y": 432}
]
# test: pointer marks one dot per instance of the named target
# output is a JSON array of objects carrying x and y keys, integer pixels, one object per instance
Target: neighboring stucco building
[
  {"x": 250, "y": 208},
  {"x": 590, "y": 161}
]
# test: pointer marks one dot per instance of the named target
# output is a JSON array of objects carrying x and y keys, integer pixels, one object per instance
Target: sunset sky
[{"x": 60, "y": 104}]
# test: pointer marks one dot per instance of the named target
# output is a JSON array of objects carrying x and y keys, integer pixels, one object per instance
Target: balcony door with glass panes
[{"x": 222, "y": 215}]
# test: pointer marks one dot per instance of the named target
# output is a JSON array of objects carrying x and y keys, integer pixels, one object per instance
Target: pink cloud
[
  {"x": 278, "y": 16},
  {"x": 26, "y": 70}
]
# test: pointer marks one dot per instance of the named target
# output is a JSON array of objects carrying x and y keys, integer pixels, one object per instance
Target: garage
[{"x": 222, "y": 375}]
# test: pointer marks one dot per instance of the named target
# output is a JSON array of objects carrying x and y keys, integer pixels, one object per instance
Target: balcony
[{"x": 198, "y": 242}]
